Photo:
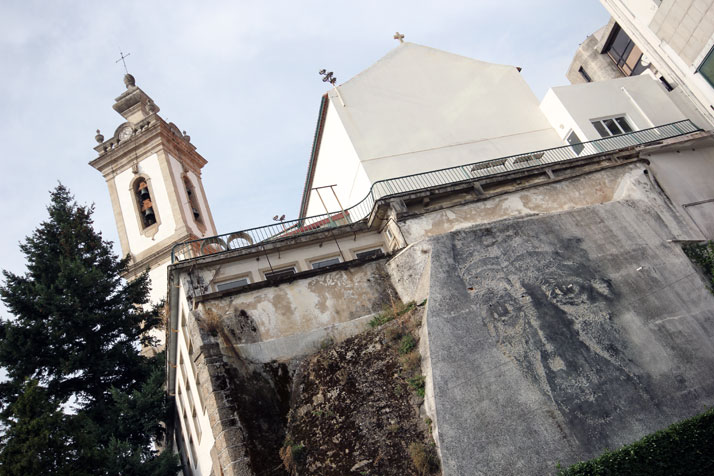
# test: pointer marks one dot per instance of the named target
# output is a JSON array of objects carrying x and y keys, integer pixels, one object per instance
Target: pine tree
[{"x": 76, "y": 382}]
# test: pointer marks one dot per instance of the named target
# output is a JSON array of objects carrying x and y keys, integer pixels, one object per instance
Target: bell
[
  {"x": 195, "y": 213},
  {"x": 149, "y": 212},
  {"x": 144, "y": 193}
]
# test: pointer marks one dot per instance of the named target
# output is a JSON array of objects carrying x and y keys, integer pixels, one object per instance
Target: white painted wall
[
  {"x": 420, "y": 109},
  {"x": 203, "y": 463},
  {"x": 150, "y": 168},
  {"x": 254, "y": 267},
  {"x": 176, "y": 170},
  {"x": 640, "y": 98},
  {"x": 337, "y": 164},
  {"x": 635, "y": 17}
]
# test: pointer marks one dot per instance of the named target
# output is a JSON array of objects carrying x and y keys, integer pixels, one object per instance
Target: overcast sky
[{"x": 240, "y": 77}]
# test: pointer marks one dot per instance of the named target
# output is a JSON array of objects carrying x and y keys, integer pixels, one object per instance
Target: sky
[{"x": 240, "y": 77}]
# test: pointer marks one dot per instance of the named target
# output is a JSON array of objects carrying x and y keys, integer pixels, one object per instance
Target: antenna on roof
[
  {"x": 399, "y": 36},
  {"x": 332, "y": 79}
]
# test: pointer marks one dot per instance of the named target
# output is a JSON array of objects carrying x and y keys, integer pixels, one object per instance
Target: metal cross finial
[
  {"x": 399, "y": 36},
  {"x": 122, "y": 60}
]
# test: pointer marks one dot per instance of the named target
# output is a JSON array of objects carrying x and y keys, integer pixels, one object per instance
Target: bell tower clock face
[{"x": 125, "y": 133}]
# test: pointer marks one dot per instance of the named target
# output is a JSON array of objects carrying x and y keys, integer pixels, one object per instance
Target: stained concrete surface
[{"x": 555, "y": 337}]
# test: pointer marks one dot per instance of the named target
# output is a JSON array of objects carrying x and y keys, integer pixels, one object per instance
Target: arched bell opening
[{"x": 146, "y": 207}]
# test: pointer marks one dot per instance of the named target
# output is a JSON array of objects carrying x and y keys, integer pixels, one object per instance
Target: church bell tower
[{"x": 153, "y": 173}]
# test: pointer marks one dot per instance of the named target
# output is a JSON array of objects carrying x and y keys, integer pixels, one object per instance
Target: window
[
  {"x": 236, "y": 283},
  {"x": 626, "y": 55},
  {"x": 143, "y": 200},
  {"x": 280, "y": 273},
  {"x": 706, "y": 69},
  {"x": 611, "y": 126},
  {"x": 196, "y": 425},
  {"x": 191, "y": 194},
  {"x": 584, "y": 74},
  {"x": 369, "y": 254},
  {"x": 325, "y": 262},
  {"x": 193, "y": 451},
  {"x": 575, "y": 141}
]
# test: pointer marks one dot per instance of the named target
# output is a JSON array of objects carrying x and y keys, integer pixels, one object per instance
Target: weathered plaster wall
[
  {"x": 685, "y": 175},
  {"x": 554, "y": 337},
  {"x": 303, "y": 305},
  {"x": 617, "y": 183}
]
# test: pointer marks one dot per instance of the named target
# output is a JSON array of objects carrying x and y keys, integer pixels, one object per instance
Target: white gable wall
[
  {"x": 420, "y": 109},
  {"x": 337, "y": 164}
]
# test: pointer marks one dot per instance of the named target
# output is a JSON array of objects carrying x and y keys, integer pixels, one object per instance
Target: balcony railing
[{"x": 415, "y": 182}]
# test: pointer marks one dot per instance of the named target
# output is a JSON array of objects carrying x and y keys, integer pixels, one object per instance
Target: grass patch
[
  {"x": 397, "y": 309},
  {"x": 422, "y": 457},
  {"x": 411, "y": 362},
  {"x": 407, "y": 344},
  {"x": 416, "y": 383}
]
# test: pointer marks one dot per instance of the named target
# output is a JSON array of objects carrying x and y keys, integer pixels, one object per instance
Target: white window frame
[{"x": 616, "y": 121}]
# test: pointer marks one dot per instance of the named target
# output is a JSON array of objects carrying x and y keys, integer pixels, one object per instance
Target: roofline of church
[{"x": 313, "y": 155}]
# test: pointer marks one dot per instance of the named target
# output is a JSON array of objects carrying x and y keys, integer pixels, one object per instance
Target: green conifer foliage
[{"x": 79, "y": 397}]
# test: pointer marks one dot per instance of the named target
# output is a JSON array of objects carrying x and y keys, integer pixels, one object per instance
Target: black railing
[{"x": 420, "y": 181}]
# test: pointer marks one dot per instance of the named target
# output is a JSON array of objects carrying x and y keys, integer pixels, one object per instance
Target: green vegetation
[
  {"x": 79, "y": 399},
  {"x": 417, "y": 384},
  {"x": 292, "y": 455},
  {"x": 684, "y": 449},
  {"x": 396, "y": 310},
  {"x": 703, "y": 255},
  {"x": 406, "y": 344}
]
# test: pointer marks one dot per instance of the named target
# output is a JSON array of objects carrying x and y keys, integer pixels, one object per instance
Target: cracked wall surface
[{"x": 555, "y": 337}]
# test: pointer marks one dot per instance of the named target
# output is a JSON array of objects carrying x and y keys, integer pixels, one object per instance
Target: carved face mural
[{"x": 551, "y": 313}]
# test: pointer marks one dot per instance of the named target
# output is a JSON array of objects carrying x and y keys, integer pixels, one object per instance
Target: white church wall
[
  {"x": 420, "y": 109},
  {"x": 642, "y": 101},
  {"x": 337, "y": 164},
  {"x": 184, "y": 203},
  {"x": 150, "y": 168}
]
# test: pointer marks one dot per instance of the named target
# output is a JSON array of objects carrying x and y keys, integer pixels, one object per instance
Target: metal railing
[{"x": 420, "y": 181}]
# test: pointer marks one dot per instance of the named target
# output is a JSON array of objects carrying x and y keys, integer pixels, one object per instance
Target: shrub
[
  {"x": 422, "y": 457},
  {"x": 703, "y": 255},
  {"x": 292, "y": 454},
  {"x": 411, "y": 362},
  {"x": 685, "y": 448}
]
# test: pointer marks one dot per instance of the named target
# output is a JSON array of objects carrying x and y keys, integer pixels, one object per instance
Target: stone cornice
[{"x": 151, "y": 135}]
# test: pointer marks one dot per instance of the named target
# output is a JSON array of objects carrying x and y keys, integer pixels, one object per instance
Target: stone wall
[{"x": 554, "y": 337}]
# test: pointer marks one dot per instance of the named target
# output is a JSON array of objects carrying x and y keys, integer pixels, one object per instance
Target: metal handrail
[{"x": 411, "y": 183}]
